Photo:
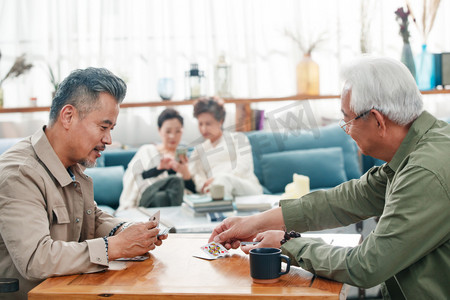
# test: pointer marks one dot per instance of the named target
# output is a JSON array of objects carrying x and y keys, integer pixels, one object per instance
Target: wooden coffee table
[{"x": 172, "y": 272}]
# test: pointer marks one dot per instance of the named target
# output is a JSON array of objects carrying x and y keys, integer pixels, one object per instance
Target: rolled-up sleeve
[{"x": 409, "y": 229}]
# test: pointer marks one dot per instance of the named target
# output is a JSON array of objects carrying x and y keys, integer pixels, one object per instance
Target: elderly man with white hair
[{"x": 409, "y": 250}]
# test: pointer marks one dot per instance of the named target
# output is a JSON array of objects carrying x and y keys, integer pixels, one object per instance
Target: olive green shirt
[
  {"x": 409, "y": 249},
  {"x": 49, "y": 223}
]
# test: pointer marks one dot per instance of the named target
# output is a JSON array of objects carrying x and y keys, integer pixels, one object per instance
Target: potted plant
[
  {"x": 407, "y": 58},
  {"x": 425, "y": 73},
  {"x": 19, "y": 67},
  {"x": 307, "y": 69}
]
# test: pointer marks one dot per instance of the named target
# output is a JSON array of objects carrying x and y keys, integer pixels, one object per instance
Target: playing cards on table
[{"x": 212, "y": 251}]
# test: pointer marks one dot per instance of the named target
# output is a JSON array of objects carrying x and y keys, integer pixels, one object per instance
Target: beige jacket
[{"x": 49, "y": 223}]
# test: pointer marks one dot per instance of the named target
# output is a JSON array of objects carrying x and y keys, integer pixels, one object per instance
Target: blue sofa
[
  {"x": 107, "y": 177},
  {"x": 327, "y": 155}
]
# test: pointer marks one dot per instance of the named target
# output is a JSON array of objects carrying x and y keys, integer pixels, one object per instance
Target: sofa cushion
[
  {"x": 107, "y": 184},
  {"x": 6, "y": 143},
  {"x": 118, "y": 157},
  {"x": 264, "y": 142},
  {"x": 368, "y": 162},
  {"x": 323, "y": 166}
]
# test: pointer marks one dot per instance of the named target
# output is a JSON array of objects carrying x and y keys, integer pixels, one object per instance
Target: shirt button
[
  {"x": 89, "y": 211},
  {"x": 75, "y": 184},
  {"x": 77, "y": 220},
  {"x": 99, "y": 259}
]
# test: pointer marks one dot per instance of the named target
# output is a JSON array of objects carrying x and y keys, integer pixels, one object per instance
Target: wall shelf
[{"x": 191, "y": 102}]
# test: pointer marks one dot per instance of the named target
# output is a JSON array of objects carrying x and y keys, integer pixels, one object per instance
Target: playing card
[
  {"x": 163, "y": 230},
  {"x": 155, "y": 217},
  {"x": 136, "y": 258},
  {"x": 214, "y": 250}
]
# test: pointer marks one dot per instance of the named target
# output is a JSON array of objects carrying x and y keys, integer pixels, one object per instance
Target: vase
[
  {"x": 166, "y": 88},
  {"x": 407, "y": 59},
  {"x": 425, "y": 76},
  {"x": 307, "y": 76},
  {"x": 222, "y": 78}
]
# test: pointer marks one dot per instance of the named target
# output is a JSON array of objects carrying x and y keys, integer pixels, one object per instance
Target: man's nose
[{"x": 107, "y": 138}]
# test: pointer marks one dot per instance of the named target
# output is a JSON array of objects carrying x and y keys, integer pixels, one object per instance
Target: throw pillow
[
  {"x": 107, "y": 184},
  {"x": 324, "y": 167}
]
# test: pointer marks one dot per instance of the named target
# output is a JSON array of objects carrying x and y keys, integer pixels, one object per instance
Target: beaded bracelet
[
  {"x": 126, "y": 226},
  {"x": 289, "y": 235},
  {"x": 113, "y": 231},
  {"x": 106, "y": 246}
]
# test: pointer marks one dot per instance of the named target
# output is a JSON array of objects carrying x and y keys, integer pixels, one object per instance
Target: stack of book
[
  {"x": 257, "y": 119},
  {"x": 203, "y": 203},
  {"x": 256, "y": 202},
  {"x": 248, "y": 119}
]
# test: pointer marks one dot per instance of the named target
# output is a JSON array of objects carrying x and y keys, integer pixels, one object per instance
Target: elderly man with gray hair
[
  {"x": 49, "y": 222},
  {"x": 409, "y": 250}
]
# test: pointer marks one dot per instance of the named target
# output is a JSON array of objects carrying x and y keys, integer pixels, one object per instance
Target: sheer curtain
[{"x": 142, "y": 41}]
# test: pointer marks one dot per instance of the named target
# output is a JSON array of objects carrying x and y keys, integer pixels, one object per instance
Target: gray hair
[
  {"x": 384, "y": 84},
  {"x": 212, "y": 105},
  {"x": 82, "y": 88}
]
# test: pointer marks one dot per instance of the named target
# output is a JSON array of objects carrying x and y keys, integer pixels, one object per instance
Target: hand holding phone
[{"x": 181, "y": 154}]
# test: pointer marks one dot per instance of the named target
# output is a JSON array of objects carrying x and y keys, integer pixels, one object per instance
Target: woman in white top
[
  {"x": 224, "y": 158},
  {"x": 154, "y": 176}
]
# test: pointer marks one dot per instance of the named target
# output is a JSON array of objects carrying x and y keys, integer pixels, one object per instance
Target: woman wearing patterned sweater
[
  {"x": 224, "y": 158},
  {"x": 154, "y": 177}
]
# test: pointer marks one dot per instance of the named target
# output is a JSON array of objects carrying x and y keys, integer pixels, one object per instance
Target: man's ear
[
  {"x": 381, "y": 122},
  {"x": 67, "y": 115}
]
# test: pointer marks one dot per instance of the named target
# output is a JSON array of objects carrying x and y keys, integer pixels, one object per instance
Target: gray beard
[{"x": 88, "y": 164}]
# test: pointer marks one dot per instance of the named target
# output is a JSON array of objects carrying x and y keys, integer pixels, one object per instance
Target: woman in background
[
  {"x": 155, "y": 177},
  {"x": 224, "y": 158}
]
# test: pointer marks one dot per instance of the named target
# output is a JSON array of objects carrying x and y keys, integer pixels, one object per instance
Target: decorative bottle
[
  {"x": 425, "y": 76},
  {"x": 195, "y": 82},
  {"x": 222, "y": 78},
  {"x": 33, "y": 101},
  {"x": 407, "y": 59}
]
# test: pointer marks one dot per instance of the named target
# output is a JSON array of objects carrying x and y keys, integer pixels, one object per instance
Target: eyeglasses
[{"x": 345, "y": 126}]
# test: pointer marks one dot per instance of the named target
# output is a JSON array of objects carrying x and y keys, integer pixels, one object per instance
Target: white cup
[{"x": 217, "y": 191}]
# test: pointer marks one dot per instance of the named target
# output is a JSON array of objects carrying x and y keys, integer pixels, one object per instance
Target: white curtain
[{"x": 142, "y": 41}]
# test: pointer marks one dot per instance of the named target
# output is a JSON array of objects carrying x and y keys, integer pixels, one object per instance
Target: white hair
[{"x": 384, "y": 84}]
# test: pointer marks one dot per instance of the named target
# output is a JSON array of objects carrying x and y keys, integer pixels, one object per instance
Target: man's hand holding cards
[
  {"x": 135, "y": 240},
  {"x": 163, "y": 230}
]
